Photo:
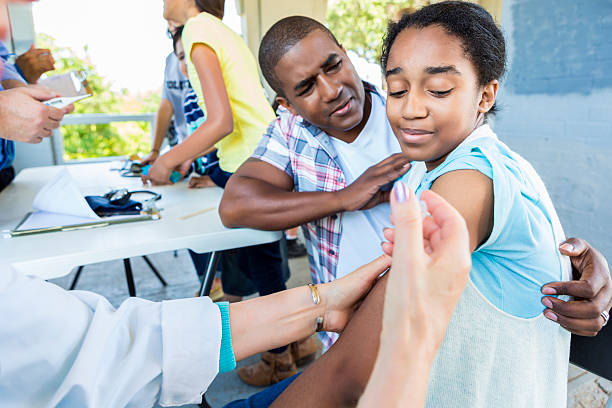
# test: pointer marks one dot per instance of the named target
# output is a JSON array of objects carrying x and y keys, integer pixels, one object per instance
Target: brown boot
[
  {"x": 304, "y": 351},
  {"x": 271, "y": 369}
]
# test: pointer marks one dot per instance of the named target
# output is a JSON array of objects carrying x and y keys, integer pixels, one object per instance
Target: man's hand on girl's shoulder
[{"x": 591, "y": 288}]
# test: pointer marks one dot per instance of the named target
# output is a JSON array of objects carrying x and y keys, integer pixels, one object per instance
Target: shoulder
[
  {"x": 172, "y": 65},
  {"x": 204, "y": 28},
  {"x": 471, "y": 193},
  {"x": 289, "y": 124},
  {"x": 273, "y": 141},
  {"x": 171, "y": 59}
]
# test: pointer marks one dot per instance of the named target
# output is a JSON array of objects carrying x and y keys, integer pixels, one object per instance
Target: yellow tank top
[{"x": 251, "y": 111}]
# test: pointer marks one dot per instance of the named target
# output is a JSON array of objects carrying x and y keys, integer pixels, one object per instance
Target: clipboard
[{"x": 15, "y": 232}]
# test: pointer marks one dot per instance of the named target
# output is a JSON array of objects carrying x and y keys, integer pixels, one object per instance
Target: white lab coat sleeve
[{"x": 72, "y": 348}]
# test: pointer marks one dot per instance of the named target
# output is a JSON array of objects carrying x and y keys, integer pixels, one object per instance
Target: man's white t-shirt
[{"x": 362, "y": 231}]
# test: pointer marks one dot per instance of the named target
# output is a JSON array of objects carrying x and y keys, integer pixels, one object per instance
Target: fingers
[
  {"x": 378, "y": 198},
  {"x": 387, "y": 248},
  {"x": 587, "y": 287},
  {"x": 429, "y": 227},
  {"x": 390, "y": 169},
  {"x": 578, "y": 309},
  {"x": 407, "y": 217},
  {"x": 55, "y": 114},
  {"x": 389, "y": 234},
  {"x": 68, "y": 109},
  {"x": 396, "y": 168},
  {"x": 452, "y": 237},
  {"x": 394, "y": 158},
  {"x": 584, "y": 327},
  {"x": 373, "y": 269},
  {"x": 40, "y": 59},
  {"x": 39, "y": 93},
  {"x": 573, "y": 247}
]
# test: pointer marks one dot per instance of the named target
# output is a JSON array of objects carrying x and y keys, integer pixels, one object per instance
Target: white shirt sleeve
[{"x": 72, "y": 348}]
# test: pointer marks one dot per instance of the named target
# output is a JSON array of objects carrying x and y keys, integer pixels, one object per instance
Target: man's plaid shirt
[{"x": 307, "y": 155}]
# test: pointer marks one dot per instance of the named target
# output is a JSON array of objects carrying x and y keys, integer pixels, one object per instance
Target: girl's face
[
  {"x": 180, "y": 54},
  {"x": 434, "y": 99}
]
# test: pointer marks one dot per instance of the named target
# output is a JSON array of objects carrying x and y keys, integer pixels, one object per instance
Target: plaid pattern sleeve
[{"x": 273, "y": 148}]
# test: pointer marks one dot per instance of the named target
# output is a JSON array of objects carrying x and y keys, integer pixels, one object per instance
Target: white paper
[
  {"x": 68, "y": 84},
  {"x": 62, "y": 196},
  {"x": 59, "y": 203}
]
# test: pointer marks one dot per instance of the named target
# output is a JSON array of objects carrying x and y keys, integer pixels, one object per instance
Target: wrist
[
  {"x": 319, "y": 305},
  {"x": 338, "y": 200},
  {"x": 324, "y": 307},
  {"x": 166, "y": 160},
  {"x": 400, "y": 344}
]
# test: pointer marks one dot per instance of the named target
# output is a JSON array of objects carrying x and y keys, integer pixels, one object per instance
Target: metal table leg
[
  {"x": 154, "y": 269},
  {"x": 76, "y": 277},
  {"x": 129, "y": 277},
  {"x": 209, "y": 274}
]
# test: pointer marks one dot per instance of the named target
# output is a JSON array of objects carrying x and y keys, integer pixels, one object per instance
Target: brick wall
[{"x": 556, "y": 106}]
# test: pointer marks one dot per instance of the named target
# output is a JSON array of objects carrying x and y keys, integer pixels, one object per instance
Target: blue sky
[{"x": 126, "y": 38}]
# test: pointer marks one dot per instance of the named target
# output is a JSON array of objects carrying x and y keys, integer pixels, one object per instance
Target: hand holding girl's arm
[
  {"x": 431, "y": 263},
  {"x": 281, "y": 318}
]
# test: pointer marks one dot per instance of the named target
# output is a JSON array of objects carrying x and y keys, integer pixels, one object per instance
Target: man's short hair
[{"x": 279, "y": 39}]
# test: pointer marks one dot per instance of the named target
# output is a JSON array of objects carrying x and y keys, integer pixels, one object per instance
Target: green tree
[
  {"x": 114, "y": 139},
  {"x": 359, "y": 25}
]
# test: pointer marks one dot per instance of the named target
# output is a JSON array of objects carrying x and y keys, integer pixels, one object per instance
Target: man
[
  {"x": 309, "y": 149},
  {"x": 27, "y": 69},
  {"x": 342, "y": 112},
  {"x": 302, "y": 170}
]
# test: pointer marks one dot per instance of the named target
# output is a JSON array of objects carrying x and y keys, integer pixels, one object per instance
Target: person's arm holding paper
[{"x": 24, "y": 116}]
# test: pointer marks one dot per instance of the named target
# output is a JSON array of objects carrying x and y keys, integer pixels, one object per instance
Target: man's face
[{"x": 321, "y": 84}]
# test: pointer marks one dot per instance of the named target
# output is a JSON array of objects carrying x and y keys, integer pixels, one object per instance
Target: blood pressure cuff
[{"x": 103, "y": 207}]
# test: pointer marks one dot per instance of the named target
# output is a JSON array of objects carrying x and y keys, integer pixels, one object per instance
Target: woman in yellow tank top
[{"x": 223, "y": 73}]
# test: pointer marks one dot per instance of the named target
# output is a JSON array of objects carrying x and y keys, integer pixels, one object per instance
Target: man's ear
[
  {"x": 282, "y": 101},
  {"x": 488, "y": 96}
]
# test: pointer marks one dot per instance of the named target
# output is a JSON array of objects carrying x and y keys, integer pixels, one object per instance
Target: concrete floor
[{"x": 585, "y": 390}]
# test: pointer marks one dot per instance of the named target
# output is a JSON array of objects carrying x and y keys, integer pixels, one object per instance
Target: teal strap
[{"x": 227, "y": 360}]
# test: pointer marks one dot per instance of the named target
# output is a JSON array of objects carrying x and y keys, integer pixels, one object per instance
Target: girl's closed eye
[
  {"x": 441, "y": 94},
  {"x": 397, "y": 94}
]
